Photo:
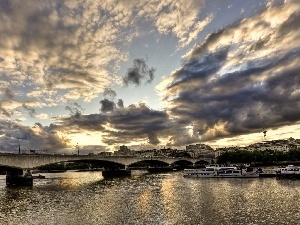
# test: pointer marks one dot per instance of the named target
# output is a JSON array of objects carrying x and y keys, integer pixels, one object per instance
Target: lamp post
[{"x": 77, "y": 149}]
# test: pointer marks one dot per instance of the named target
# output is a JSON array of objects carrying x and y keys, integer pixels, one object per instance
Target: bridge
[
  {"x": 16, "y": 164},
  {"x": 25, "y": 162}
]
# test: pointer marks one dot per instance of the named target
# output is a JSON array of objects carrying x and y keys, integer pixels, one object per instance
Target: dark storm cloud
[
  {"x": 107, "y": 106},
  {"x": 130, "y": 124},
  {"x": 225, "y": 87},
  {"x": 92, "y": 122},
  {"x": 138, "y": 122},
  {"x": 209, "y": 64},
  {"x": 235, "y": 100},
  {"x": 138, "y": 72},
  {"x": 153, "y": 139}
]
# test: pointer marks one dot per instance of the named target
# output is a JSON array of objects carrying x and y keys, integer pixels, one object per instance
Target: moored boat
[
  {"x": 289, "y": 171},
  {"x": 39, "y": 177},
  {"x": 222, "y": 172}
]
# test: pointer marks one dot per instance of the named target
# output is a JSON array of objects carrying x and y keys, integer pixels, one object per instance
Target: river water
[{"x": 85, "y": 198}]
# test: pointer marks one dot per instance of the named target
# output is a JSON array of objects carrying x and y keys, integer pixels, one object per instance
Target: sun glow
[{"x": 88, "y": 138}]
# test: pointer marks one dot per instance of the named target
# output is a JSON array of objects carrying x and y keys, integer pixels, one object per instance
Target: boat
[
  {"x": 267, "y": 172},
  {"x": 39, "y": 177},
  {"x": 222, "y": 172},
  {"x": 289, "y": 171},
  {"x": 207, "y": 171}
]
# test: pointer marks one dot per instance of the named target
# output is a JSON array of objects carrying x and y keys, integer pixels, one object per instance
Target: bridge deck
[{"x": 35, "y": 160}]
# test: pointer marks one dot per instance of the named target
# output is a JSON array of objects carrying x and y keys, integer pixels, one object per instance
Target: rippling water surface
[{"x": 86, "y": 198}]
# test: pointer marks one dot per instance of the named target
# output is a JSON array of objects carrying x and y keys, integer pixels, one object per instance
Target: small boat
[
  {"x": 289, "y": 171},
  {"x": 39, "y": 177},
  {"x": 222, "y": 172}
]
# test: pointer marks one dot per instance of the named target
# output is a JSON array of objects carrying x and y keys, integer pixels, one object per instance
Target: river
[{"x": 85, "y": 198}]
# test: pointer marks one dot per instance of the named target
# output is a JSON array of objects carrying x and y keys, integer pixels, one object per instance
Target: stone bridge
[{"x": 34, "y": 161}]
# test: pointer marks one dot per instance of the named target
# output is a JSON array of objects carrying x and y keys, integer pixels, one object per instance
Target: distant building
[
  {"x": 124, "y": 151},
  {"x": 200, "y": 150}
]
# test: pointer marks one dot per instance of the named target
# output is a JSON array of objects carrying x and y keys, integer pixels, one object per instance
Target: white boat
[
  {"x": 288, "y": 171},
  {"x": 221, "y": 172}
]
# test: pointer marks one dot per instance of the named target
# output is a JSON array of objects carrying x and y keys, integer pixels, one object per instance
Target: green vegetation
[
  {"x": 54, "y": 166},
  {"x": 264, "y": 157}
]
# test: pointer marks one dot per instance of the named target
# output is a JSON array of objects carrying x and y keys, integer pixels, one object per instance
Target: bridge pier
[{"x": 15, "y": 177}]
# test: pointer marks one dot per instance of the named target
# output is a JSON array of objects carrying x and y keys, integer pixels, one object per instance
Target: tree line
[{"x": 259, "y": 156}]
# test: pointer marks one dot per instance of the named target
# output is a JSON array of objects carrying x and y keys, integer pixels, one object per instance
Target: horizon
[{"x": 87, "y": 150}]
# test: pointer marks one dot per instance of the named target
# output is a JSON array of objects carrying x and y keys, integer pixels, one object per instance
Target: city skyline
[{"x": 148, "y": 73}]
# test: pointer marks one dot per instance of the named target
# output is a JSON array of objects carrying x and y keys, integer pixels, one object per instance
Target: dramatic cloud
[
  {"x": 30, "y": 138},
  {"x": 135, "y": 123},
  {"x": 56, "y": 54},
  {"x": 138, "y": 72},
  {"x": 77, "y": 124},
  {"x": 248, "y": 69}
]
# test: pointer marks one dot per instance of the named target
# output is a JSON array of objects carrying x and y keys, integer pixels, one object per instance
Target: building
[
  {"x": 200, "y": 150},
  {"x": 124, "y": 151}
]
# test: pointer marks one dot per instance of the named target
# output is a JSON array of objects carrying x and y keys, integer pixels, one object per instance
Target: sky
[{"x": 147, "y": 74}]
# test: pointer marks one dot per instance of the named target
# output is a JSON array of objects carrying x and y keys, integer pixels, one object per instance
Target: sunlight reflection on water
[{"x": 85, "y": 198}]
